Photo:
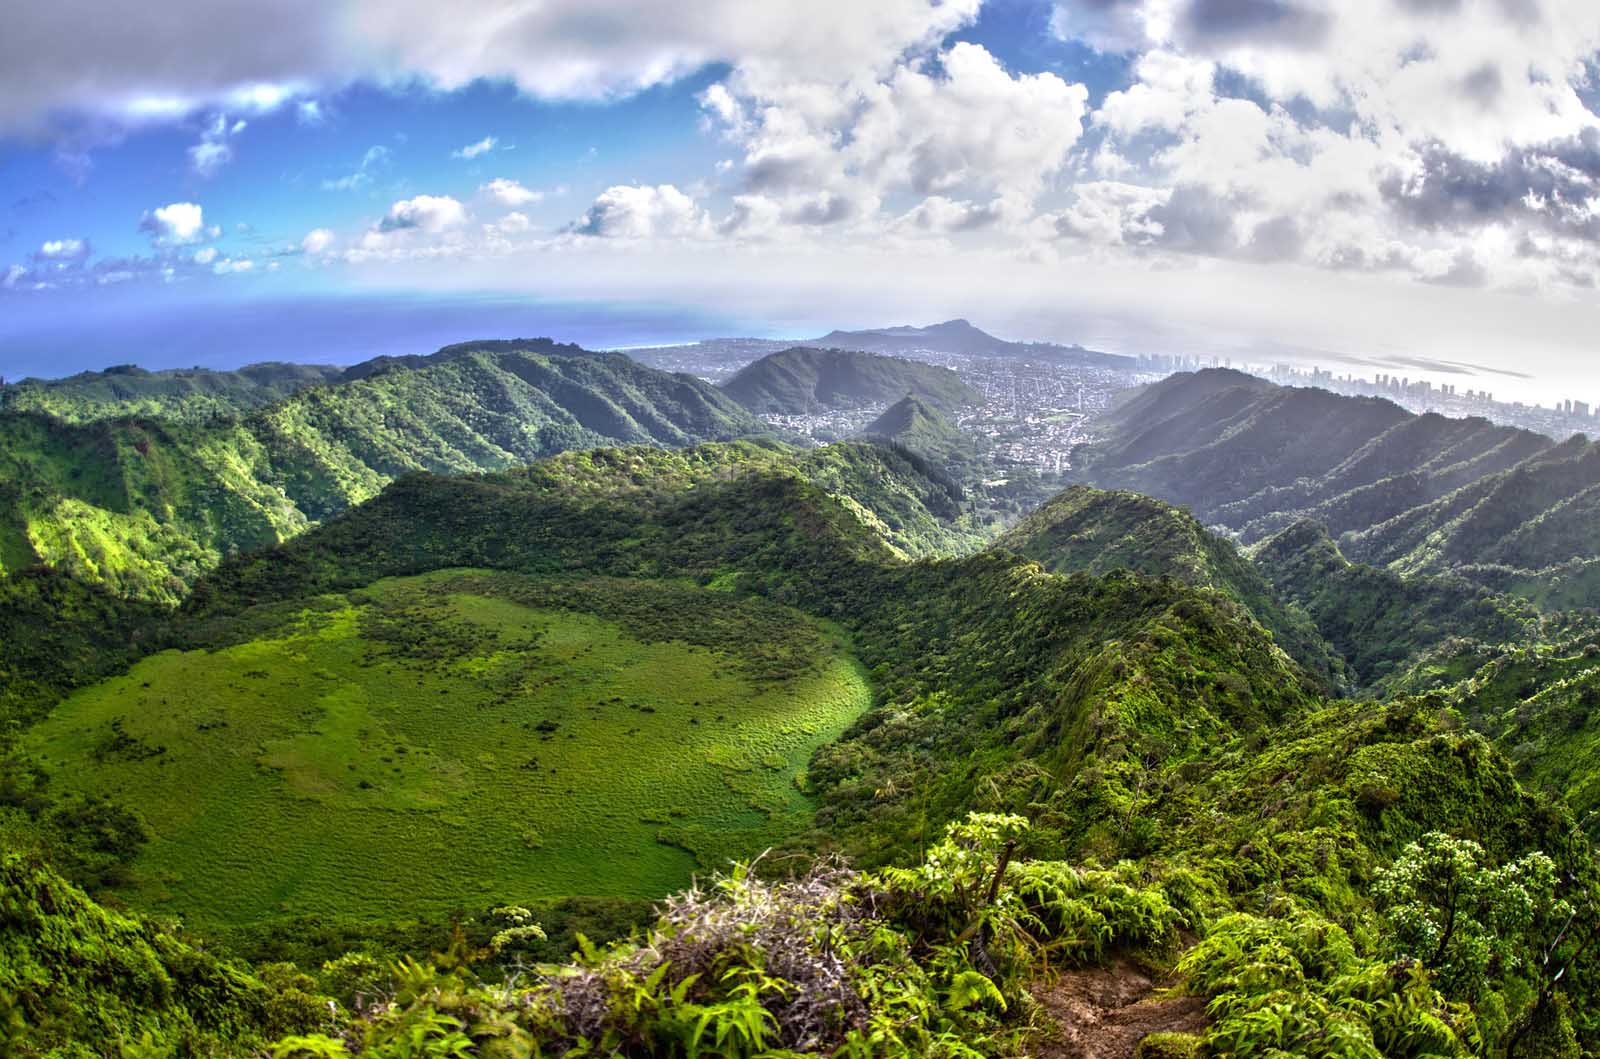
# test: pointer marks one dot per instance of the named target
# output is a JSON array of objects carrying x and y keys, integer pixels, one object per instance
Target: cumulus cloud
[
  {"x": 205, "y": 255},
  {"x": 177, "y": 224},
  {"x": 951, "y": 126},
  {"x": 512, "y": 224},
  {"x": 509, "y": 193},
  {"x": 63, "y": 250},
  {"x": 940, "y": 214},
  {"x": 317, "y": 241},
  {"x": 625, "y": 212},
  {"x": 1367, "y": 134},
  {"x": 232, "y": 266},
  {"x": 474, "y": 150},
  {"x": 430, "y": 214}
]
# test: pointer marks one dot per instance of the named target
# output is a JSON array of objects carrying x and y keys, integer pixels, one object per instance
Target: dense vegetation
[
  {"x": 804, "y": 380},
  {"x": 1507, "y": 508},
  {"x": 400, "y": 769},
  {"x": 483, "y": 713},
  {"x": 148, "y": 505},
  {"x": 186, "y": 394},
  {"x": 1097, "y": 531}
]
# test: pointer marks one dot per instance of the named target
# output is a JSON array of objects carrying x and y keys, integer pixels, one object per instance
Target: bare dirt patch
[{"x": 1104, "y": 1012}]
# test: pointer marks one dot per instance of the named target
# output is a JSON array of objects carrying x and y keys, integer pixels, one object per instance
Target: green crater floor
[{"x": 461, "y": 739}]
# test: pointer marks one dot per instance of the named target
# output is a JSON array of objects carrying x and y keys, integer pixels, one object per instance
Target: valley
[
  {"x": 466, "y": 692},
  {"x": 560, "y": 738}
]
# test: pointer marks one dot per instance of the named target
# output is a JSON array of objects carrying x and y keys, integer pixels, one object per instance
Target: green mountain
[
  {"x": 314, "y": 686},
  {"x": 78, "y": 979},
  {"x": 484, "y": 698},
  {"x": 1414, "y": 494},
  {"x": 445, "y": 703},
  {"x": 184, "y": 394},
  {"x": 918, "y": 427},
  {"x": 145, "y": 506},
  {"x": 1095, "y": 531},
  {"x": 802, "y": 380}
]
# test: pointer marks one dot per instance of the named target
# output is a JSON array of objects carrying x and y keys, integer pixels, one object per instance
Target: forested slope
[
  {"x": 147, "y": 505},
  {"x": 800, "y": 380},
  {"x": 1424, "y": 494},
  {"x": 1160, "y": 780}
]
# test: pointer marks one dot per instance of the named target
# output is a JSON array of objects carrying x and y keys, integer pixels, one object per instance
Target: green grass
[{"x": 461, "y": 739}]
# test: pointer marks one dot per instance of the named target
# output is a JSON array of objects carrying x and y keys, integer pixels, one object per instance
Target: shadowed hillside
[{"x": 801, "y": 380}]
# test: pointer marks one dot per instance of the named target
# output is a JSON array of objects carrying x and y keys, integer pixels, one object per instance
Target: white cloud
[
  {"x": 430, "y": 214},
  {"x": 214, "y": 151},
  {"x": 317, "y": 240},
  {"x": 63, "y": 250},
  {"x": 625, "y": 212},
  {"x": 473, "y": 150},
  {"x": 177, "y": 224},
  {"x": 231, "y": 266},
  {"x": 512, "y": 224},
  {"x": 944, "y": 215},
  {"x": 377, "y": 159},
  {"x": 205, "y": 256},
  {"x": 259, "y": 56},
  {"x": 13, "y": 277},
  {"x": 819, "y": 153},
  {"x": 977, "y": 126},
  {"x": 309, "y": 112},
  {"x": 509, "y": 192}
]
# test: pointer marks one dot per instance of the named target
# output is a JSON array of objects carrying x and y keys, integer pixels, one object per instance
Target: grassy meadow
[{"x": 460, "y": 739}]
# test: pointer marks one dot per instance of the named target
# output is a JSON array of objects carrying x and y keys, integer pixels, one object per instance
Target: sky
[{"x": 1345, "y": 182}]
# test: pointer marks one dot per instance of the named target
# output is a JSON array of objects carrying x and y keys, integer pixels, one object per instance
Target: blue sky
[{"x": 213, "y": 182}]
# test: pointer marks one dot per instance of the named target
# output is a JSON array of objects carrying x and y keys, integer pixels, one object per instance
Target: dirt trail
[{"x": 1104, "y": 1012}]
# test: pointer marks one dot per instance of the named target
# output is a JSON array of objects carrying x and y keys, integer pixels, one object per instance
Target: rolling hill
[
  {"x": 186, "y": 394},
  {"x": 917, "y": 426},
  {"x": 801, "y": 380},
  {"x": 370, "y": 687},
  {"x": 147, "y": 505}
]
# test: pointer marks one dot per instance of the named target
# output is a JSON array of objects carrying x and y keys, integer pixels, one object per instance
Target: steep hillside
[
  {"x": 77, "y": 979},
  {"x": 1422, "y": 494},
  {"x": 145, "y": 506},
  {"x": 381, "y": 717},
  {"x": 192, "y": 395},
  {"x": 914, "y": 424},
  {"x": 1376, "y": 619},
  {"x": 316, "y": 683},
  {"x": 1095, "y": 531},
  {"x": 800, "y": 380}
]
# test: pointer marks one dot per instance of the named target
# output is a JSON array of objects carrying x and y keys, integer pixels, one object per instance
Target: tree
[{"x": 1497, "y": 937}]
